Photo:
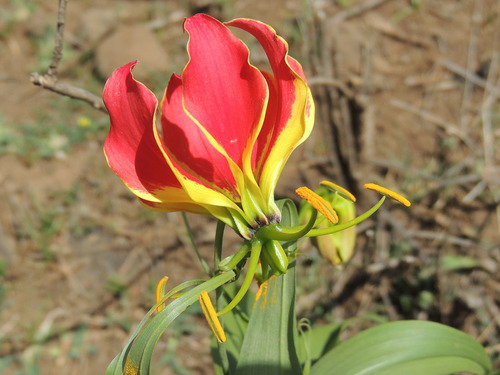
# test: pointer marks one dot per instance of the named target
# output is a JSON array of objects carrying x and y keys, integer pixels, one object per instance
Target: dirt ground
[{"x": 407, "y": 95}]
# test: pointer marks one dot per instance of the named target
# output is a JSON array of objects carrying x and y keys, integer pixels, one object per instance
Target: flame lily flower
[{"x": 227, "y": 128}]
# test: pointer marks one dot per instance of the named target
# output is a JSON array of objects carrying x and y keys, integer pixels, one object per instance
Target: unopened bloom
[
  {"x": 227, "y": 128},
  {"x": 337, "y": 247}
]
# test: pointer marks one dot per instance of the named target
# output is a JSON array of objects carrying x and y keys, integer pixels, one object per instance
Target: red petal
[
  {"x": 189, "y": 147},
  {"x": 289, "y": 117},
  {"x": 285, "y": 70},
  {"x": 131, "y": 148},
  {"x": 265, "y": 136},
  {"x": 221, "y": 90}
]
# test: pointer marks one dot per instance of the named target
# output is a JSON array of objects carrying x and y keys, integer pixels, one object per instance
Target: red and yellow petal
[
  {"x": 222, "y": 91},
  {"x": 226, "y": 97},
  {"x": 291, "y": 120},
  {"x": 189, "y": 146},
  {"x": 131, "y": 148},
  {"x": 198, "y": 191}
]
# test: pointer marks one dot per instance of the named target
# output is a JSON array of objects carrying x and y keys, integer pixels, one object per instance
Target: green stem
[
  {"x": 219, "y": 236},
  {"x": 338, "y": 227},
  {"x": 230, "y": 263},
  {"x": 278, "y": 233},
  {"x": 204, "y": 264},
  {"x": 252, "y": 266}
]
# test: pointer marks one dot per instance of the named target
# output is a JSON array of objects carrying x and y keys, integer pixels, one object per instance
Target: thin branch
[
  {"x": 486, "y": 112},
  {"x": 50, "y": 80},
  {"x": 328, "y": 81},
  {"x": 450, "y": 128},
  {"x": 57, "y": 52},
  {"x": 471, "y": 77},
  {"x": 355, "y": 11},
  {"x": 368, "y": 134},
  {"x": 51, "y": 83},
  {"x": 441, "y": 236},
  {"x": 471, "y": 57}
]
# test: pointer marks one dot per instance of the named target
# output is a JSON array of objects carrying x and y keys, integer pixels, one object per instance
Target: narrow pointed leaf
[
  {"x": 269, "y": 344},
  {"x": 136, "y": 357},
  {"x": 119, "y": 362}
]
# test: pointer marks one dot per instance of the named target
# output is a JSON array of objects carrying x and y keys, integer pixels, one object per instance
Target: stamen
[
  {"x": 318, "y": 203},
  {"x": 389, "y": 193},
  {"x": 339, "y": 189},
  {"x": 130, "y": 367},
  {"x": 160, "y": 292},
  {"x": 211, "y": 316}
]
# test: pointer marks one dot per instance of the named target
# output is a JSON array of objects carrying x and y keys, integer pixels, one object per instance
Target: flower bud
[{"x": 338, "y": 247}]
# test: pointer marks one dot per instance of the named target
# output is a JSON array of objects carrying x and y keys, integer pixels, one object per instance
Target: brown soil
[{"x": 82, "y": 257}]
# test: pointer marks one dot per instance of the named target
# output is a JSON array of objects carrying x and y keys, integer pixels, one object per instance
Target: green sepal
[{"x": 276, "y": 257}]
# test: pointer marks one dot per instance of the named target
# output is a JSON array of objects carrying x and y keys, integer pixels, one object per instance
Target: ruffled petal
[
  {"x": 291, "y": 121},
  {"x": 265, "y": 136},
  {"x": 222, "y": 92},
  {"x": 131, "y": 148}
]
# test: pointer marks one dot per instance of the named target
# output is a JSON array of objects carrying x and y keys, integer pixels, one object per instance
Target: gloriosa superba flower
[
  {"x": 226, "y": 132},
  {"x": 227, "y": 128}
]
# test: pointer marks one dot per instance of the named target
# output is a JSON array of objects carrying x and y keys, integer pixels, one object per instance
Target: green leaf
[
  {"x": 315, "y": 342},
  {"x": 135, "y": 358},
  {"x": 406, "y": 347},
  {"x": 269, "y": 343},
  {"x": 458, "y": 263},
  {"x": 268, "y": 346},
  {"x": 235, "y": 324}
]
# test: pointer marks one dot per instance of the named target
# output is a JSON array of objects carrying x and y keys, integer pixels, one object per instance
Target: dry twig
[
  {"x": 328, "y": 81},
  {"x": 50, "y": 80},
  {"x": 489, "y": 100},
  {"x": 471, "y": 77},
  {"x": 450, "y": 128},
  {"x": 471, "y": 57},
  {"x": 357, "y": 10}
]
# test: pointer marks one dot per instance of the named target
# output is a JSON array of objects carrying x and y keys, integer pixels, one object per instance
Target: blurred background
[{"x": 407, "y": 96}]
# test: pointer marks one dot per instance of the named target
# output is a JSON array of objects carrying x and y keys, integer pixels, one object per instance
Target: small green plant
[
  {"x": 116, "y": 285},
  {"x": 3, "y": 269},
  {"x": 44, "y": 45},
  {"x": 344, "y": 3},
  {"x": 46, "y": 137},
  {"x": 41, "y": 226},
  {"x": 16, "y": 12}
]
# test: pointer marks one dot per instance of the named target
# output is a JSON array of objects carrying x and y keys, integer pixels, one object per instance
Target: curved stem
[
  {"x": 338, "y": 227},
  {"x": 230, "y": 263},
  {"x": 252, "y": 266},
  {"x": 275, "y": 232},
  {"x": 203, "y": 262}
]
